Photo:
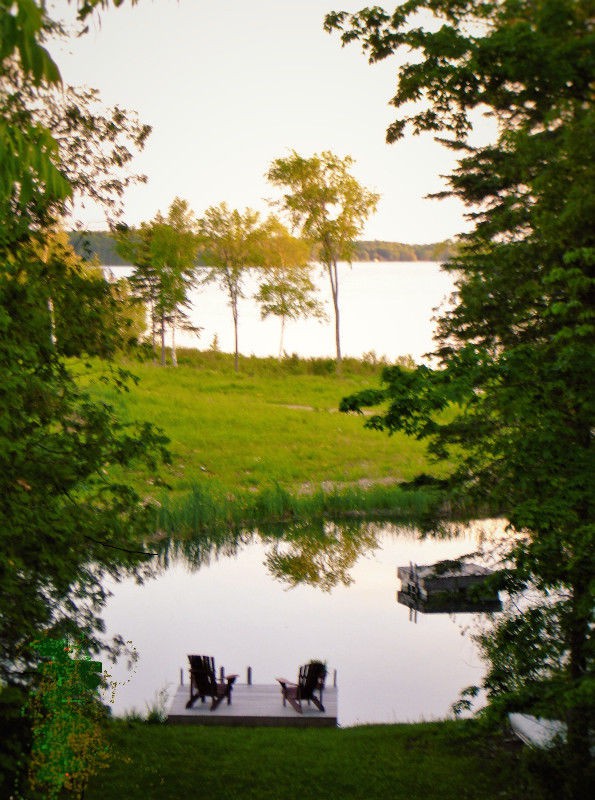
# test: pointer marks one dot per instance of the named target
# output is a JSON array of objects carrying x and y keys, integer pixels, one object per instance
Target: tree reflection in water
[
  {"x": 320, "y": 554},
  {"x": 314, "y": 552}
]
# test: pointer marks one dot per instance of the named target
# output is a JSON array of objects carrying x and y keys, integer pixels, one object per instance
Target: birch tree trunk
[
  {"x": 174, "y": 358},
  {"x": 281, "y": 340},
  {"x": 163, "y": 359},
  {"x": 334, "y": 279}
]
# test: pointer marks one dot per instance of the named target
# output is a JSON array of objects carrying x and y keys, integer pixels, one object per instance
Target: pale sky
[{"x": 228, "y": 86}]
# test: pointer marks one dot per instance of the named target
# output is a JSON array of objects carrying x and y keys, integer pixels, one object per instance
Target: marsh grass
[{"x": 209, "y": 507}]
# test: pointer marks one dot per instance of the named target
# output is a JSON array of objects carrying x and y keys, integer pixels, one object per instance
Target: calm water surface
[
  {"x": 385, "y": 307},
  {"x": 243, "y": 609}
]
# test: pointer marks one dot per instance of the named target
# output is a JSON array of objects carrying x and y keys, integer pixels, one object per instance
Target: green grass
[
  {"x": 441, "y": 761},
  {"x": 210, "y": 507},
  {"x": 273, "y": 423}
]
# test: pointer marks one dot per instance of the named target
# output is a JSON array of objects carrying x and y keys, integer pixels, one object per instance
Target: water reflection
[
  {"x": 225, "y": 594},
  {"x": 319, "y": 553},
  {"x": 200, "y": 551}
]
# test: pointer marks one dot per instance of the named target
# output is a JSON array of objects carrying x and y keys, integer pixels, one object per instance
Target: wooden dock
[
  {"x": 446, "y": 587},
  {"x": 445, "y": 576},
  {"x": 254, "y": 705}
]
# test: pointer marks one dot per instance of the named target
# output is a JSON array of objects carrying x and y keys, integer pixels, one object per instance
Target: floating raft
[
  {"x": 255, "y": 706},
  {"x": 446, "y": 587}
]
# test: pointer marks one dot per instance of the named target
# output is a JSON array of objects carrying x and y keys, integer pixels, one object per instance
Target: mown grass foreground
[{"x": 453, "y": 760}]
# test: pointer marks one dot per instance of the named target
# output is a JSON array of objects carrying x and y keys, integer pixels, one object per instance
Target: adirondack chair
[
  {"x": 310, "y": 680},
  {"x": 204, "y": 683}
]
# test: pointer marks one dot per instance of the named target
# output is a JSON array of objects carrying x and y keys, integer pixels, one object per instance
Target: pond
[{"x": 273, "y": 604}]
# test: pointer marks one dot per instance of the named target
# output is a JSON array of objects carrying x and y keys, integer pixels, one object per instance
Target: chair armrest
[
  {"x": 231, "y": 678},
  {"x": 284, "y": 681}
]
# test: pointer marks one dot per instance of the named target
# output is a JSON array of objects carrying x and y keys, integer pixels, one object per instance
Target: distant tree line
[
  {"x": 398, "y": 251},
  {"x": 102, "y": 245}
]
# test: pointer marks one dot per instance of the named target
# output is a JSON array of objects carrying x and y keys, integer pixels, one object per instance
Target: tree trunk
[
  {"x": 578, "y": 716},
  {"x": 53, "y": 337},
  {"x": 281, "y": 340},
  {"x": 153, "y": 329},
  {"x": 174, "y": 357},
  {"x": 236, "y": 359},
  {"x": 334, "y": 279},
  {"x": 163, "y": 359}
]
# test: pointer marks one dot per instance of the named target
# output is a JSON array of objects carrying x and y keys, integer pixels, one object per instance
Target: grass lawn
[
  {"x": 271, "y": 423},
  {"x": 429, "y": 761}
]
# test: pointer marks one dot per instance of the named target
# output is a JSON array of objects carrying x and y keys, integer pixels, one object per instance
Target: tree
[
  {"x": 64, "y": 523},
  {"x": 88, "y": 314},
  {"x": 286, "y": 289},
  {"x": 164, "y": 252},
  {"x": 516, "y": 352},
  {"x": 329, "y": 206},
  {"x": 230, "y": 244}
]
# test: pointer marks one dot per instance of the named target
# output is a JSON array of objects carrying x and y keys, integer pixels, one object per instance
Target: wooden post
[
  {"x": 181, "y": 676},
  {"x": 249, "y": 676},
  {"x": 221, "y": 674},
  {"x": 335, "y": 678}
]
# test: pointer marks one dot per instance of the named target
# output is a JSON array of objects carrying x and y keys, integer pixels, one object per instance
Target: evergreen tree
[{"x": 164, "y": 253}]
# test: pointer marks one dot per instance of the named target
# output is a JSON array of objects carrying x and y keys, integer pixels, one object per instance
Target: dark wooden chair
[
  {"x": 310, "y": 681},
  {"x": 204, "y": 683}
]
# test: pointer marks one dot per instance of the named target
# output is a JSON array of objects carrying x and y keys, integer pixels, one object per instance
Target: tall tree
[
  {"x": 286, "y": 289},
  {"x": 174, "y": 253},
  {"x": 164, "y": 253},
  {"x": 134, "y": 246},
  {"x": 231, "y": 243},
  {"x": 517, "y": 350},
  {"x": 64, "y": 524},
  {"x": 329, "y": 206}
]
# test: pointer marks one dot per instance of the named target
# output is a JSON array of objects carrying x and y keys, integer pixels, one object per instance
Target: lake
[
  {"x": 385, "y": 307},
  {"x": 240, "y": 607}
]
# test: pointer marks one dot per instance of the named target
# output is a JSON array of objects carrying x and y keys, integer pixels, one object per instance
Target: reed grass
[{"x": 209, "y": 506}]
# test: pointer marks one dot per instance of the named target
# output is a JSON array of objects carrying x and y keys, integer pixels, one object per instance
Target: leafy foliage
[
  {"x": 69, "y": 744},
  {"x": 286, "y": 289},
  {"x": 64, "y": 524},
  {"x": 230, "y": 243},
  {"x": 164, "y": 252},
  {"x": 517, "y": 352},
  {"x": 328, "y": 205}
]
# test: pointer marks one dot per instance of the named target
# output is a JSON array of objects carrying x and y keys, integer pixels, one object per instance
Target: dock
[
  {"x": 256, "y": 705},
  {"x": 447, "y": 587}
]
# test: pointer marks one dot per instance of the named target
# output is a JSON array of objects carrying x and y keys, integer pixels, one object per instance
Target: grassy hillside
[{"x": 271, "y": 423}]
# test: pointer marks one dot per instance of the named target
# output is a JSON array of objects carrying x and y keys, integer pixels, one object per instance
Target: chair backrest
[
  {"x": 203, "y": 674},
  {"x": 311, "y": 678}
]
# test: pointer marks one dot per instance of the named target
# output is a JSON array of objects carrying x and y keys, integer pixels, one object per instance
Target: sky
[{"x": 230, "y": 85}]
